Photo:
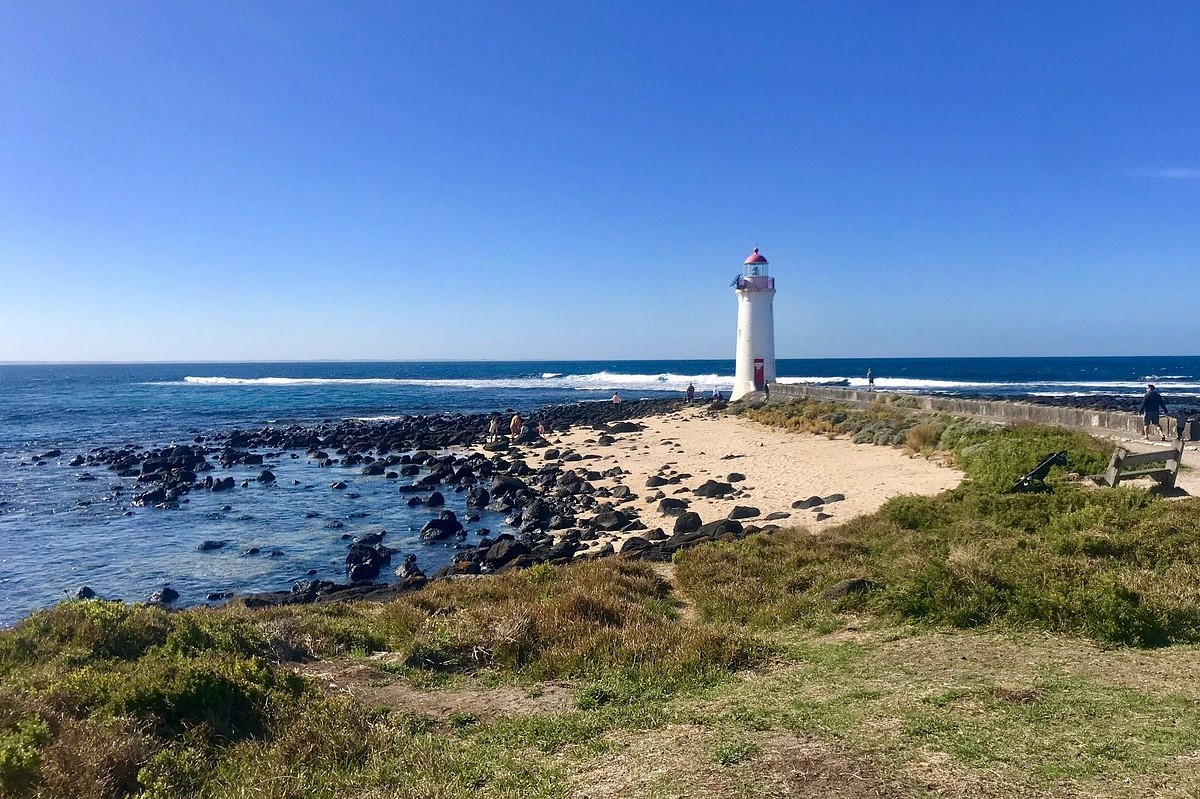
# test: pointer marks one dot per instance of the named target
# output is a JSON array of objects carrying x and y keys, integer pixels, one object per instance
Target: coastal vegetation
[{"x": 971, "y": 642}]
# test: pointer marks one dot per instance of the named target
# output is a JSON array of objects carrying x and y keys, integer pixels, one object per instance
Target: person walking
[
  {"x": 1151, "y": 409},
  {"x": 494, "y": 428},
  {"x": 514, "y": 427},
  {"x": 870, "y": 379},
  {"x": 691, "y": 392}
]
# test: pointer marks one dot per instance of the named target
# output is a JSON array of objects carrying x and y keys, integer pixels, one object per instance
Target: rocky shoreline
[
  {"x": 558, "y": 503},
  {"x": 1091, "y": 402},
  {"x": 548, "y": 494}
]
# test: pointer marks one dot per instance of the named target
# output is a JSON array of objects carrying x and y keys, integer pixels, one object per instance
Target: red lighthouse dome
[{"x": 755, "y": 258}]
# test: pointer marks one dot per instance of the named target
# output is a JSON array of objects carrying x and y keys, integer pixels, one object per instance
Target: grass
[
  {"x": 964, "y": 712},
  {"x": 201, "y": 702},
  {"x": 1118, "y": 566},
  {"x": 990, "y": 643}
]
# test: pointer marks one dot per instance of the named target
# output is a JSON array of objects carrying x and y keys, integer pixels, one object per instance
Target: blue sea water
[{"x": 57, "y": 533}]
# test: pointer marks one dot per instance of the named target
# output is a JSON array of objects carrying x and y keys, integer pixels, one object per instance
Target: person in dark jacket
[{"x": 1151, "y": 410}]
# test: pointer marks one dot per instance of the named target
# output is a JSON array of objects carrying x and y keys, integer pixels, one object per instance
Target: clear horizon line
[{"x": 34, "y": 362}]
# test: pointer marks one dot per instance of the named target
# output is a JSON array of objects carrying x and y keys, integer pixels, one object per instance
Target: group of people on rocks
[
  {"x": 517, "y": 428},
  {"x": 690, "y": 393}
]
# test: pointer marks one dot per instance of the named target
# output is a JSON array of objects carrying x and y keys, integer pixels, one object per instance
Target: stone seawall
[{"x": 1111, "y": 423}]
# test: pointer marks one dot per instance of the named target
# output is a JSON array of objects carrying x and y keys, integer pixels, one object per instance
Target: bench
[{"x": 1123, "y": 463}]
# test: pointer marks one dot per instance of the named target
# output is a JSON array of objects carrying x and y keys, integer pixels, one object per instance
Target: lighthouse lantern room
[{"x": 755, "y": 290}]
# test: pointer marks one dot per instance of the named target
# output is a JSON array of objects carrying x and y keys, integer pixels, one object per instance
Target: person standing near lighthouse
[{"x": 755, "y": 289}]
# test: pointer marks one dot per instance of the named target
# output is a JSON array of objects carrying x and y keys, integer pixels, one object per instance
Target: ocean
[{"x": 58, "y": 532}]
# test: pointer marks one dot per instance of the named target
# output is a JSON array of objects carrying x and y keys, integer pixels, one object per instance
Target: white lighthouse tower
[{"x": 755, "y": 291}]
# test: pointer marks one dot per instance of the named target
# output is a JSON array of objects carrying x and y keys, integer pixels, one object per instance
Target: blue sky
[{"x": 428, "y": 180}]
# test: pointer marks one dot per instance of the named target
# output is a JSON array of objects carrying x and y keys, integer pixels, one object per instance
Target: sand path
[{"x": 780, "y": 468}]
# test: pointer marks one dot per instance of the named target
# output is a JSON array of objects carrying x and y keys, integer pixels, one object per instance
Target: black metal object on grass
[{"x": 1036, "y": 480}]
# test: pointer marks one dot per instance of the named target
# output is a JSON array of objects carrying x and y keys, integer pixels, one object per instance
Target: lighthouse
[{"x": 755, "y": 290}]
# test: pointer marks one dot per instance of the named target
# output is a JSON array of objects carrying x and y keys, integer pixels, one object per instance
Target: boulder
[
  {"x": 610, "y": 519},
  {"x": 743, "y": 512},
  {"x": 363, "y": 562},
  {"x": 811, "y": 502},
  {"x": 735, "y": 477},
  {"x": 720, "y": 529},
  {"x": 854, "y": 585},
  {"x": 410, "y": 573},
  {"x": 438, "y": 529},
  {"x": 504, "y": 485},
  {"x": 503, "y": 551},
  {"x": 370, "y": 539},
  {"x": 153, "y": 497},
  {"x": 670, "y": 506},
  {"x": 687, "y": 522},
  {"x": 712, "y": 488},
  {"x": 210, "y": 545},
  {"x": 478, "y": 497},
  {"x": 266, "y": 476},
  {"x": 436, "y": 500},
  {"x": 163, "y": 596},
  {"x": 634, "y": 545}
]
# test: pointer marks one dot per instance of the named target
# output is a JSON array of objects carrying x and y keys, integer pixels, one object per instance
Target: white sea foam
[
  {"x": 905, "y": 383},
  {"x": 596, "y": 381},
  {"x": 704, "y": 383}
]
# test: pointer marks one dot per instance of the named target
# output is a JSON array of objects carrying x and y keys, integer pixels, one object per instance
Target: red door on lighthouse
[{"x": 759, "y": 376}]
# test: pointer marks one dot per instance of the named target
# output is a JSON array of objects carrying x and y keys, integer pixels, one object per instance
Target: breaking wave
[{"x": 670, "y": 382}]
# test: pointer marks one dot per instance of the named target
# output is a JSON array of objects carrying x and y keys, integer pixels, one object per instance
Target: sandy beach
[{"x": 693, "y": 446}]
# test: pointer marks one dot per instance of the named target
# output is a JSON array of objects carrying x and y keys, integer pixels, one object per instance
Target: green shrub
[
  {"x": 923, "y": 437},
  {"x": 80, "y": 630},
  {"x": 1119, "y": 566},
  {"x": 173, "y": 772},
  {"x": 229, "y": 696},
  {"x": 21, "y": 753},
  {"x": 1007, "y": 453}
]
